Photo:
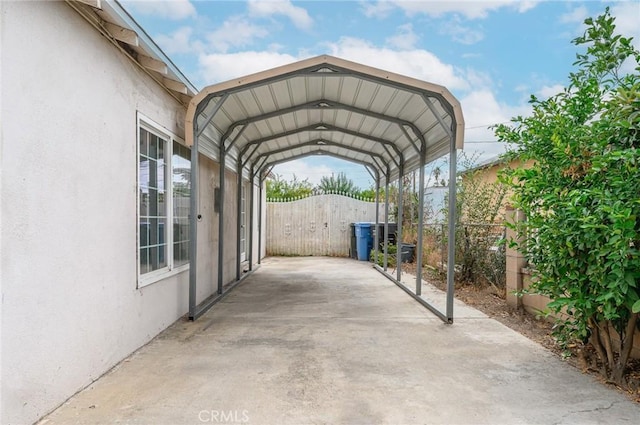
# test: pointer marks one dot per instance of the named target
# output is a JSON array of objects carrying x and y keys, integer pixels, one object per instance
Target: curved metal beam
[
  {"x": 312, "y": 153},
  {"x": 328, "y": 105},
  {"x": 327, "y": 127},
  {"x": 265, "y": 160},
  {"x": 314, "y": 142}
]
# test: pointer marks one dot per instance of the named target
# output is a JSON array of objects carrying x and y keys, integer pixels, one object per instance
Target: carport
[{"x": 388, "y": 123}]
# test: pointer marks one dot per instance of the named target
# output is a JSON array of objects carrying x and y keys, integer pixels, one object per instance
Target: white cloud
[
  {"x": 179, "y": 41},
  {"x": 461, "y": 33},
  {"x": 477, "y": 79},
  {"x": 479, "y": 103},
  {"x": 236, "y": 31},
  {"x": 297, "y": 15},
  {"x": 625, "y": 12},
  {"x": 437, "y": 8},
  {"x": 626, "y": 15},
  {"x": 547, "y": 91},
  {"x": 627, "y": 22},
  {"x": 303, "y": 169},
  {"x": 481, "y": 110},
  {"x": 404, "y": 39},
  {"x": 218, "y": 67},
  {"x": 172, "y": 9},
  {"x": 521, "y": 88},
  {"x": 525, "y": 5},
  {"x": 379, "y": 9},
  {"x": 577, "y": 15},
  {"x": 414, "y": 63}
]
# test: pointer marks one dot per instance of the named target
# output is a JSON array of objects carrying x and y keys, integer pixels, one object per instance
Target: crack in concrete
[{"x": 595, "y": 409}]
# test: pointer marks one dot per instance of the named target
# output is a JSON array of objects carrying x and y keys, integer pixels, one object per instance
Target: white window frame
[{"x": 169, "y": 270}]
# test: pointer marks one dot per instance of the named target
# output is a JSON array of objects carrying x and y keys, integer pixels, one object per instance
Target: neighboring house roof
[
  {"x": 488, "y": 163},
  {"x": 115, "y": 23}
]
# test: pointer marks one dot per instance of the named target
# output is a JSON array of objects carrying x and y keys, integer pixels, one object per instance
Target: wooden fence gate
[{"x": 317, "y": 225}]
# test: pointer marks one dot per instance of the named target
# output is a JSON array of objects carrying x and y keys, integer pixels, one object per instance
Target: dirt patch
[{"x": 491, "y": 301}]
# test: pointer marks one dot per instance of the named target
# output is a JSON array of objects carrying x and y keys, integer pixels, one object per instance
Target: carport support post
[
  {"x": 221, "y": 218},
  {"x": 193, "y": 224},
  {"x": 259, "y": 219},
  {"x": 252, "y": 207},
  {"x": 386, "y": 221},
  {"x": 451, "y": 255},
  {"x": 377, "y": 238},
  {"x": 420, "y": 229},
  {"x": 238, "y": 217},
  {"x": 399, "y": 219}
]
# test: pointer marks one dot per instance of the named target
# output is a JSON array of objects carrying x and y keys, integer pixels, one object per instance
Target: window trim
[{"x": 146, "y": 279}]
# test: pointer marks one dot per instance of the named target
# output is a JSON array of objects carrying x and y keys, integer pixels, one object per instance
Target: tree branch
[{"x": 626, "y": 345}]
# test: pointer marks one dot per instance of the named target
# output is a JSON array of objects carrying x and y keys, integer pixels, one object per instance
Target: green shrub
[
  {"x": 581, "y": 197},
  {"x": 392, "y": 250}
]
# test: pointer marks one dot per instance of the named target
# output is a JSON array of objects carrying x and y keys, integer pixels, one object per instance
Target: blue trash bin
[{"x": 364, "y": 241}]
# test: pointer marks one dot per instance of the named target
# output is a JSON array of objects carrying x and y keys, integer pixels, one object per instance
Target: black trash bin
[
  {"x": 393, "y": 228},
  {"x": 408, "y": 252}
]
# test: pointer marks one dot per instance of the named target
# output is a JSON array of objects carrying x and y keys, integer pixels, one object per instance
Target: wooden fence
[{"x": 317, "y": 225}]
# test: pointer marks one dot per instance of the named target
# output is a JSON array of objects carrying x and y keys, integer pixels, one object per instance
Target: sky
[{"x": 492, "y": 55}]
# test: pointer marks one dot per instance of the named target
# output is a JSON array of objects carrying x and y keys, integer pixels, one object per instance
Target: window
[
  {"x": 181, "y": 181},
  {"x": 164, "y": 177}
]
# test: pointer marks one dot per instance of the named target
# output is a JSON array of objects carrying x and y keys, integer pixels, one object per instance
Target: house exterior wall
[
  {"x": 488, "y": 175},
  {"x": 207, "y": 259},
  {"x": 71, "y": 306},
  {"x": 259, "y": 216}
]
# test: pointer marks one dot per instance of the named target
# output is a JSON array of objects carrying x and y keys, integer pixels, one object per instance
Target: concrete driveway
[{"x": 332, "y": 341}]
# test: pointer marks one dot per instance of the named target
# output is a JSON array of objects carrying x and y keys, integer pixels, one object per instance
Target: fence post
[{"x": 515, "y": 260}]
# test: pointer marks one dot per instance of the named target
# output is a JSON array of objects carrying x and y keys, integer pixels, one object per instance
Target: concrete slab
[{"x": 332, "y": 341}]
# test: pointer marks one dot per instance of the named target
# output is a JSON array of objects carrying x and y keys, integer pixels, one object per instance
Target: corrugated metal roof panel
[{"x": 357, "y": 110}]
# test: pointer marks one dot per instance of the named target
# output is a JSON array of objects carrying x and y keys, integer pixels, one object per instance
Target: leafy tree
[
  {"x": 370, "y": 194},
  {"x": 581, "y": 198},
  {"x": 279, "y": 188},
  {"x": 338, "y": 184}
]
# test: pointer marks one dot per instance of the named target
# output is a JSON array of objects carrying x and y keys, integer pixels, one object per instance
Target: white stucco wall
[{"x": 70, "y": 304}]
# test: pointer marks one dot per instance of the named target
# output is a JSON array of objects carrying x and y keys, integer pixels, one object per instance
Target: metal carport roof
[
  {"x": 390, "y": 123},
  {"x": 406, "y": 121}
]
